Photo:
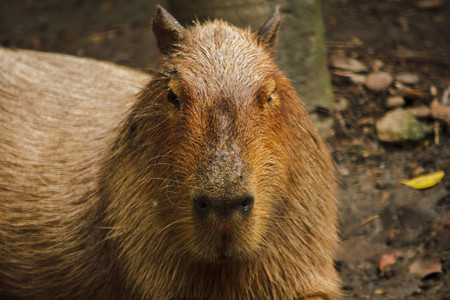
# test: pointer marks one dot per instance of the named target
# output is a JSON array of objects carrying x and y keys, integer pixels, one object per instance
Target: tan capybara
[{"x": 211, "y": 183}]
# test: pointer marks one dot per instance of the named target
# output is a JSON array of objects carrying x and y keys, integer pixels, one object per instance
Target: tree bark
[{"x": 301, "y": 44}]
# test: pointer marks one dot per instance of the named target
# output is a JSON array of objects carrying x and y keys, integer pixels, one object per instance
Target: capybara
[{"x": 209, "y": 182}]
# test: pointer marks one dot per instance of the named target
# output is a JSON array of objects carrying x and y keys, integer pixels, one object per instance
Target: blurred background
[{"x": 388, "y": 62}]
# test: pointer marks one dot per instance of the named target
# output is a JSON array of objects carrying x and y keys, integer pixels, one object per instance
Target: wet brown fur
[{"x": 96, "y": 184}]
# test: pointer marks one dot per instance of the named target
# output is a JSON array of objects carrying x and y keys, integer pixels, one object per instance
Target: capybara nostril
[
  {"x": 222, "y": 206},
  {"x": 246, "y": 205},
  {"x": 201, "y": 203}
]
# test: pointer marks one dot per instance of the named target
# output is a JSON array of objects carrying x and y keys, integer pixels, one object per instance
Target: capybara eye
[
  {"x": 270, "y": 90},
  {"x": 172, "y": 98}
]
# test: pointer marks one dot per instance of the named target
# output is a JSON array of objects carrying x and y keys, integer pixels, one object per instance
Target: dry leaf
[
  {"x": 96, "y": 38},
  {"x": 424, "y": 181},
  {"x": 425, "y": 266},
  {"x": 387, "y": 260}
]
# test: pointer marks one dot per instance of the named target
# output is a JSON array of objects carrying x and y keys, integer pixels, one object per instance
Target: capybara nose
[{"x": 204, "y": 204}]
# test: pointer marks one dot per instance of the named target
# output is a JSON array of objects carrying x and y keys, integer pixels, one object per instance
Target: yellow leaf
[{"x": 424, "y": 181}]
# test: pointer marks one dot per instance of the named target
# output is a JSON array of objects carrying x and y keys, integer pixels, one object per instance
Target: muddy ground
[{"x": 396, "y": 240}]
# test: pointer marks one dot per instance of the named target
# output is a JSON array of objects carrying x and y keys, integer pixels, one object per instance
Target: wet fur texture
[{"x": 96, "y": 184}]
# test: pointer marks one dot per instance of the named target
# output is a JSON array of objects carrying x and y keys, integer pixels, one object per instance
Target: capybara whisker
[{"x": 175, "y": 222}]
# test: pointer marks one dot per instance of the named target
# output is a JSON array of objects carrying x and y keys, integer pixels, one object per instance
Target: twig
[
  {"x": 436, "y": 129},
  {"x": 360, "y": 224}
]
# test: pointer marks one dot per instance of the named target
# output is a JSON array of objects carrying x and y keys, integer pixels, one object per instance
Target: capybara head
[
  {"x": 219, "y": 94},
  {"x": 217, "y": 155}
]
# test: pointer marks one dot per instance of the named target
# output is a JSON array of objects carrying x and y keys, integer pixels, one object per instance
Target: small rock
[
  {"x": 419, "y": 112},
  {"x": 399, "y": 125},
  {"x": 446, "y": 96},
  {"x": 395, "y": 101},
  {"x": 358, "y": 79},
  {"x": 379, "y": 81},
  {"x": 323, "y": 124},
  {"x": 348, "y": 64},
  {"x": 365, "y": 121},
  {"x": 344, "y": 171},
  {"x": 356, "y": 41},
  {"x": 407, "y": 78},
  {"x": 440, "y": 111},
  {"x": 378, "y": 292},
  {"x": 341, "y": 104},
  {"x": 377, "y": 65},
  {"x": 433, "y": 91}
]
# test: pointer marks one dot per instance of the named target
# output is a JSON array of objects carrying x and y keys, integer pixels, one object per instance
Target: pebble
[
  {"x": 377, "y": 65},
  {"x": 399, "y": 126},
  {"x": 379, "y": 81},
  {"x": 440, "y": 111},
  {"x": 395, "y": 101},
  {"x": 348, "y": 64},
  {"x": 341, "y": 104},
  {"x": 433, "y": 91},
  {"x": 407, "y": 78},
  {"x": 358, "y": 79},
  {"x": 323, "y": 124},
  {"x": 420, "y": 112}
]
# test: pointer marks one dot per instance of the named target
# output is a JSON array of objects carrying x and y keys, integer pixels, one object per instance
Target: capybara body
[{"x": 210, "y": 183}]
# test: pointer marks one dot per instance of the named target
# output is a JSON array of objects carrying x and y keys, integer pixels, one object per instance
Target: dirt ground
[{"x": 395, "y": 239}]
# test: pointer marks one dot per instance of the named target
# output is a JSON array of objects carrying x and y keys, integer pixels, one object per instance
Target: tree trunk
[{"x": 301, "y": 44}]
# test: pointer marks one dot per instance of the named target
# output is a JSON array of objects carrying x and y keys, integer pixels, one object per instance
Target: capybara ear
[
  {"x": 267, "y": 34},
  {"x": 168, "y": 32}
]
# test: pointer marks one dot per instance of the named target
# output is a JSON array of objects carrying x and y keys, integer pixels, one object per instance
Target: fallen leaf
[
  {"x": 408, "y": 92},
  {"x": 425, "y": 266},
  {"x": 424, "y": 181},
  {"x": 429, "y": 3},
  {"x": 365, "y": 121},
  {"x": 447, "y": 224},
  {"x": 96, "y": 38},
  {"x": 105, "y": 6},
  {"x": 386, "y": 260},
  {"x": 417, "y": 171}
]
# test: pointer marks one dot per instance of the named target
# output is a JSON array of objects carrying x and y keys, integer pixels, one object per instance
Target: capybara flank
[{"x": 207, "y": 181}]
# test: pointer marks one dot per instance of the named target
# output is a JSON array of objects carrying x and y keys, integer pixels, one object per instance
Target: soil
[{"x": 395, "y": 239}]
